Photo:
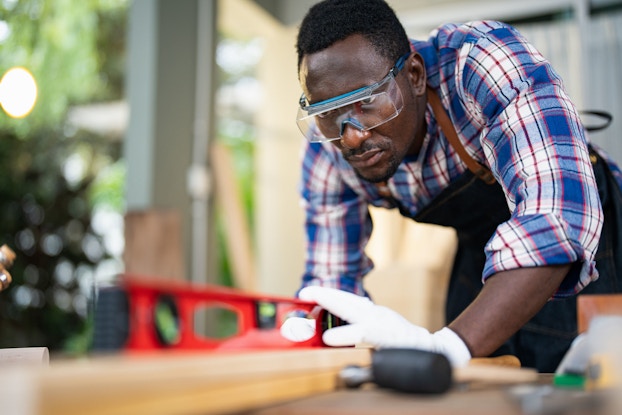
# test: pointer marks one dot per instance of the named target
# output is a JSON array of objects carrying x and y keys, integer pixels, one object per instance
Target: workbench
[
  {"x": 481, "y": 400},
  {"x": 249, "y": 383}
]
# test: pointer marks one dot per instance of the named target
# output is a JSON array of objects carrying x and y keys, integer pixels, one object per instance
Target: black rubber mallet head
[{"x": 403, "y": 370}]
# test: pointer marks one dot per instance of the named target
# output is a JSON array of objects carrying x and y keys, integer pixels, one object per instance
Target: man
[{"x": 510, "y": 170}]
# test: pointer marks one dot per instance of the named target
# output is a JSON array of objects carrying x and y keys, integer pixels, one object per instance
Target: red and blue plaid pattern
[{"x": 511, "y": 113}]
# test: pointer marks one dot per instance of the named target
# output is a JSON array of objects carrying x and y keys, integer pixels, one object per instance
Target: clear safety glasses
[{"x": 364, "y": 108}]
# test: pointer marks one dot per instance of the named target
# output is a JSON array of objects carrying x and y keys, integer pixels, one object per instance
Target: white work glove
[{"x": 372, "y": 324}]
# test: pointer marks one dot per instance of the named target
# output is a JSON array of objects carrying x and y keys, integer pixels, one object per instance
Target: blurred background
[{"x": 158, "y": 137}]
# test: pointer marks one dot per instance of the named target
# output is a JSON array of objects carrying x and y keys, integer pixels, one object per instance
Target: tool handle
[
  {"x": 411, "y": 370},
  {"x": 504, "y": 360},
  {"x": 7, "y": 256}
]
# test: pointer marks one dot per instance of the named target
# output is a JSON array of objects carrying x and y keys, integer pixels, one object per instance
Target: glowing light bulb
[{"x": 18, "y": 92}]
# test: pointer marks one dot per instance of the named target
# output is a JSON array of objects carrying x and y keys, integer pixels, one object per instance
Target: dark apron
[{"x": 475, "y": 209}]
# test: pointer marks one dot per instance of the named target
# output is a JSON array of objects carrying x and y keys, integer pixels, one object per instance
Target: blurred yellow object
[
  {"x": 604, "y": 368},
  {"x": 602, "y": 373},
  {"x": 18, "y": 92}
]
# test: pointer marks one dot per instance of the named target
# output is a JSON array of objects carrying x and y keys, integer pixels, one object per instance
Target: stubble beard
[{"x": 392, "y": 165}]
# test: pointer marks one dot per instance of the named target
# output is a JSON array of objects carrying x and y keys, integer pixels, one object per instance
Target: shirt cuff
[{"x": 541, "y": 240}]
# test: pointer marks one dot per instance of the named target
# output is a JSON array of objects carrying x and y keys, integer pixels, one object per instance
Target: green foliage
[
  {"x": 46, "y": 219},
  {"x": 63, "y": 43},
  {"x": 108, "y": 187},
  {"x": 51, "y": 176}
]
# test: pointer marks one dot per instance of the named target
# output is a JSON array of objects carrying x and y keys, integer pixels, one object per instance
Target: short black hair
[{"x": 332, "y": 20}]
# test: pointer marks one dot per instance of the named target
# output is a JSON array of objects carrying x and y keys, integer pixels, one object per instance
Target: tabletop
[{"x": 541, "y": 398}]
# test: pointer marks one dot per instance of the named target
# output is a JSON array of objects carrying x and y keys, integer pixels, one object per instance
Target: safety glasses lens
[{"x": 364, "y": 110}]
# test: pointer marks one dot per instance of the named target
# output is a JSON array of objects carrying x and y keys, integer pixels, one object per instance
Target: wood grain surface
[
  {"x": 202, "y": 383},
  {"x": 180, "y": 384}
]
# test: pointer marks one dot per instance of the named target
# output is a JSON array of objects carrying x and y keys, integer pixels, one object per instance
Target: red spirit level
[{"x": 141, "y": 314}]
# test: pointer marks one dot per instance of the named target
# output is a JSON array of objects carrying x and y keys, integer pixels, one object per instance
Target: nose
[{"x": 352, "y": 137}]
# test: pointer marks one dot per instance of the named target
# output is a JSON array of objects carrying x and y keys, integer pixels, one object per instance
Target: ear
[{"x": 415, "y": 70}]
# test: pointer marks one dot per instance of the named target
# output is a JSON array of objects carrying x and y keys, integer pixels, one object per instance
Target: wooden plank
[
  {"x": 591, "y": 305},
  {"x": 186, "y": 384},
  {"x": 494, "y": 374},
  {"x": 197, "y": 398},
  {"x": 238, "y": 235},
  {"x": 207, "y": 383},
  {"x": 153, "y": 244}
]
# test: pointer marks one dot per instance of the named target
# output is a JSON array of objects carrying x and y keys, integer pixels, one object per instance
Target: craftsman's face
[{"x": 351, "y": 64}]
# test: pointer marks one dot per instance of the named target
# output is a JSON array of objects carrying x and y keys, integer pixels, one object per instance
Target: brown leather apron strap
[{"x": 450, "y": 132}]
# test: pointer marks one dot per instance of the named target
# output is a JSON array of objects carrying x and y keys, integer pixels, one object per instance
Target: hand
[{"x": 372, "y": 324}]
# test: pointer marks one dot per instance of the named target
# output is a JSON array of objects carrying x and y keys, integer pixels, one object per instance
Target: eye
[
  {"x": 369, "y": 100},
  {"x": 327, "y": 114}
]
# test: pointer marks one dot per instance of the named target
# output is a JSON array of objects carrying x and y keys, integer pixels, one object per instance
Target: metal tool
[
  {"x": 7, "y": 256},
  {"x": 404, "y": 370}
]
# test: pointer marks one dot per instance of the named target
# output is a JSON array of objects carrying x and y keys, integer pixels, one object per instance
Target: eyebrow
[{"x": 399, "y": 64}]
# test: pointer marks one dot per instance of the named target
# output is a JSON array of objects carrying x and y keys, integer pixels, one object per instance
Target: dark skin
[
  {"x": 509, "y": 298},
  {"x": 348, "y": 65}
]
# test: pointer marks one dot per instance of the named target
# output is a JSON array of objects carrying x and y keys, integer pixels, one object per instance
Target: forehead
[{"x": 346, "y": 65}]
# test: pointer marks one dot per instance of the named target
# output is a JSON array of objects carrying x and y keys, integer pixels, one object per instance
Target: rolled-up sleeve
[{"x": 536, "y": 146}]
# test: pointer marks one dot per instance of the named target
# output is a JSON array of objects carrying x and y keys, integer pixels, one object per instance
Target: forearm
[{"x": 507, "y": 301}]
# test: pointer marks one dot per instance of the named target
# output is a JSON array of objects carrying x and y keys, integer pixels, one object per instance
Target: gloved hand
[{"x": 372, "y": 324}]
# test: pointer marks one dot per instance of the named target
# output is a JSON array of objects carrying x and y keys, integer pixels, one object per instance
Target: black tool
[{"x": 403, "y": 370}]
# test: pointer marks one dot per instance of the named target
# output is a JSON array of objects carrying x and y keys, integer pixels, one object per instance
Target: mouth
[{"x": 366, "y": 160}]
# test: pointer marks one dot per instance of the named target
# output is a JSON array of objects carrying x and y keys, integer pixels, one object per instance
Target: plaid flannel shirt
[{"x": 511, "y": 113}]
